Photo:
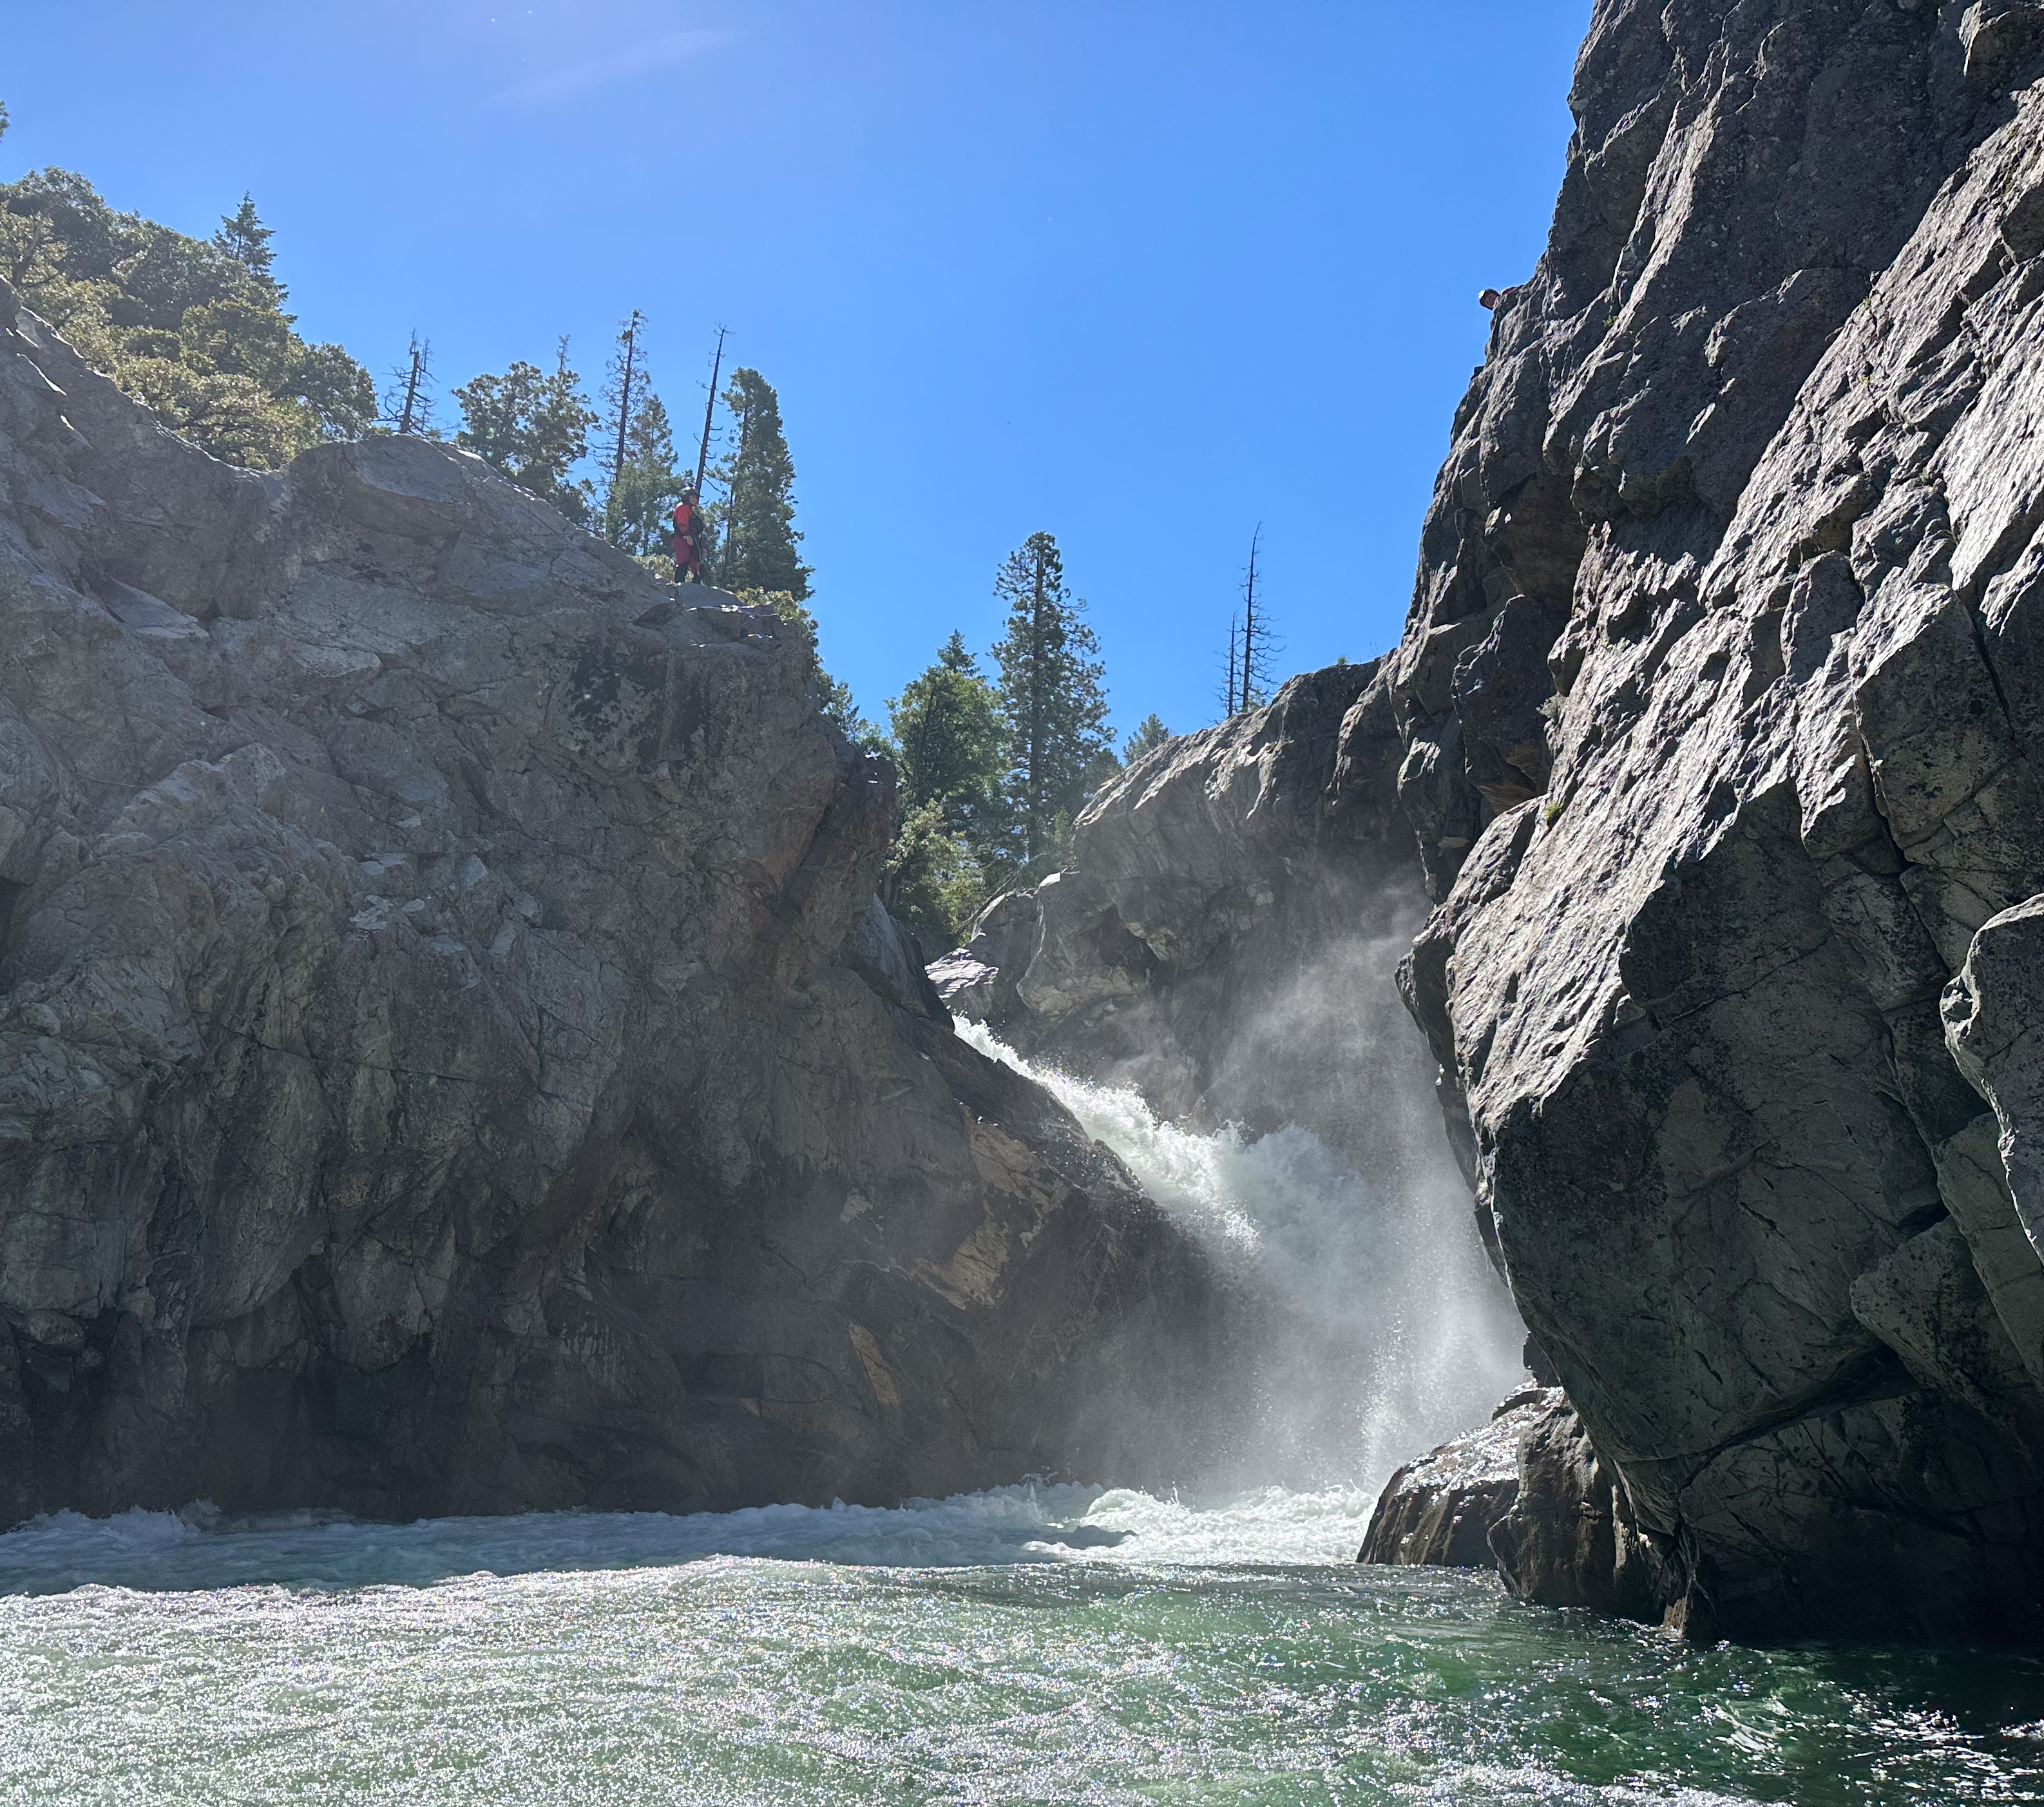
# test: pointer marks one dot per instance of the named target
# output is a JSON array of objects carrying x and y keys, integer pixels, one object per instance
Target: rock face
[
  {"x": 1569, "y": 1535},
  {"x": 1525, "y": 1494},
  {"x": 1437, "y": 1512},
  {"x": 1224, "y": 938},
  {"x": 450, "y": 1060},
  {"x": 1736, "y": 965}
]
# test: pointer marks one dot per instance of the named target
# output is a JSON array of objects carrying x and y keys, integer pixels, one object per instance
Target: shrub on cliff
[{"x": 193, "y": 328}]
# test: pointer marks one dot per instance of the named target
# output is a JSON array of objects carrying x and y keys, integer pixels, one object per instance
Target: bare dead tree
[
  {"x": 1258, "y": 643},
  {"x": 709, "y": 412},
  {"x": 627, "y": 372},
  {"x": 411, "y": 412},
  {"x": 1227, "y": 693}
]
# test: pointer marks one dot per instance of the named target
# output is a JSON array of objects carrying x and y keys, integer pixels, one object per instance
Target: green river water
[{"x": 1056, "y": 1644}]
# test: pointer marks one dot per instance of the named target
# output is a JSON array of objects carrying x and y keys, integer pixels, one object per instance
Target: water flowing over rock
[
  {"x": 450, "y": 1059},
  {"x": 1738, "y": 974},
  {"x": 1225, "y": 942}
]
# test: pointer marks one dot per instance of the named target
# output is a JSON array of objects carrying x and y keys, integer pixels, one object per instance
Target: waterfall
[{"x": 1387, "y": 1332}]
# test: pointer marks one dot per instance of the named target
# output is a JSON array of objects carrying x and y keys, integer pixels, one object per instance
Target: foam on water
[
  {"x": 198, "y": 1548},
  {"x": 684, "y": 1676}
]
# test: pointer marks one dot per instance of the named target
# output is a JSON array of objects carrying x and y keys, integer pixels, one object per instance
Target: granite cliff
[
  {"x": 1225, "y": 938},
  {"x": 450, "y": 1058},
  {"x": 1716, "y": 724},
  {"x": 1733, "y": 963}
]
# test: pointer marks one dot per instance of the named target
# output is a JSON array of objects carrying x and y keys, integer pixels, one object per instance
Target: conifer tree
[
  {"x": 756, "y": 519},
  {"x": 533, "y": 427},
  {"x": 191, "y": 328},
  {"x": 1050, "y": 693},
  {"x": 949, "y": 738},
  {"x": 245, "y": 239},
  {"x": 640, "y": 499},
  {"x": 1150, "y": 733}
]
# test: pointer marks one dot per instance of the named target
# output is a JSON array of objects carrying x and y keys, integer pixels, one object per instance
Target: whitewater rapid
[
  {"x": 1392, "y": 1337},
  {"x": 199, "y": 1548}
]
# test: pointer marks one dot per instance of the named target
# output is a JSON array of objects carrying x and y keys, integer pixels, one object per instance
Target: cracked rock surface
[
  {"x": 450, "y": 1059},
  {"x": 1739, "y": 976}
]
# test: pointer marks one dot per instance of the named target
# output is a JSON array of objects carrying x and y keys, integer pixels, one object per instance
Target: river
[{"x": 1036, "y": 1644}]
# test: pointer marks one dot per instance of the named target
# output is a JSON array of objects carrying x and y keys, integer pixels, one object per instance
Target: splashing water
[{"x": 1389, "y": 1332}]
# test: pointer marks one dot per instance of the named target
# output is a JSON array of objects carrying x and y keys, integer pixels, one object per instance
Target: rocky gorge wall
[
  {"x": 1715, "y": 731},
  {"x": 1733, "y": 963},
  {"x": 1225, "y": 937},
  {"x": 450, "y": 1057}
]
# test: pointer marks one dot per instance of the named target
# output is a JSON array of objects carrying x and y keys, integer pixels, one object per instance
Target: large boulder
[
  {"x": 1755, "y": 452},
  {"x": 450, "y": 1058},
  {"x": 1437, "y": 1511}
]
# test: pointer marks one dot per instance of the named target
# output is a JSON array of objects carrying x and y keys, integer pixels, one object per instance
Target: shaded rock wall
[
  {"x": 1527, "y": 1495},
  {"x": 450, "y": 1058},
  {"x": 1736, "y": 972}
]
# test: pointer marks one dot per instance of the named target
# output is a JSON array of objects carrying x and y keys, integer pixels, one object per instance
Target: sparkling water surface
[{"x": 1033, "y": 1644}]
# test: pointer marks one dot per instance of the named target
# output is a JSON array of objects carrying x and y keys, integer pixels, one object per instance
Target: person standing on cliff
[{"x": 688, "y": 537}]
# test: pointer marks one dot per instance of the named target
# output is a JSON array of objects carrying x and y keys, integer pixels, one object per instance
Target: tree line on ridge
[{"x": 994, "y": 765}]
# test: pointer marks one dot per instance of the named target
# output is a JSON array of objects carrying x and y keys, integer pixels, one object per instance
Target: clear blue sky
[{"x": 1140, "y": 274}]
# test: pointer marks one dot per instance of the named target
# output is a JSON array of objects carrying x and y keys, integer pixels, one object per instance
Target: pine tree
[
  {"x": 245, "y": 239},
  {"x": 756, "y": 519},
  {"x": 191, "y": 328},
  {"x": 638, "y": 505},
  {"x": 532, "y": 426},
  {"x": 1052, "y": 694},
  {"x": 949, "y": 738},
  {"x": 1150, "y": 733}
]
